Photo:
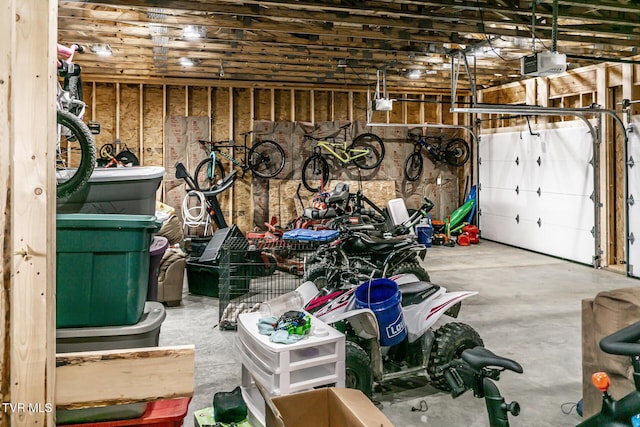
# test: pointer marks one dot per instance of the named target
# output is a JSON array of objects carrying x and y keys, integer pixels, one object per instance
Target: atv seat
[
  {"x": 415, "y": 293},
  {"x": 336, "y": 204}
]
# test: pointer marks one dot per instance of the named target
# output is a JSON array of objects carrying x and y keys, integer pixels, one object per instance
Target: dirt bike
[
  {"x": 422, "y": 350},
  {"x": 356, "y": 256},
  {"x": 478, "y": 368}
]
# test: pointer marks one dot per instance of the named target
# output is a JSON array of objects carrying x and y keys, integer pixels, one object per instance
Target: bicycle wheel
[
  {"x": 413, "y": 166},
  {"x": 457, "y": 152},
  {"x": 266, "y": 158},
  {"x": 207, "y": 177},
  {"x": 371, "y": 142},
  {"x": 75, "y": 154},
  {"x": 315, "y": 173}
]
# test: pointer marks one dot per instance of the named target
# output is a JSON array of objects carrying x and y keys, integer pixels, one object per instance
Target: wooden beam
[
  {"x": 113, "y": 377},
  {"x": 28, "y": 196},
  {"x": 7, "y": 51}
]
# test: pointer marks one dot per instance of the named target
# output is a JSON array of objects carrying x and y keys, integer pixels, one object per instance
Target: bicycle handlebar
[
  {"x": 68, "y": 51},
  {"x": 623, "y": 342}
]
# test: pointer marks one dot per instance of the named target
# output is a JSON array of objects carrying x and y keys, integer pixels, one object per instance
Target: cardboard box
[{"x": 325, "y": 407}]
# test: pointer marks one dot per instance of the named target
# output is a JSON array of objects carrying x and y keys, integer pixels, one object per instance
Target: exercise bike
[{"x": 478, "y": 369}]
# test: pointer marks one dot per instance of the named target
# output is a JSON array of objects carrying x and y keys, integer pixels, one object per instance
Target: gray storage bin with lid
[{"x": 145, "y": 333}]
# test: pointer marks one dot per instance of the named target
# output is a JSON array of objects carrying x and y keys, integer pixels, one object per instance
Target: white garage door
[
  {"x": 535, "y": 191},
  {"x": 633, "y": 151}
]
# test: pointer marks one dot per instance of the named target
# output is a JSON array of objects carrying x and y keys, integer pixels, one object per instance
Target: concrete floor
[{"x": 527, "y": 309}]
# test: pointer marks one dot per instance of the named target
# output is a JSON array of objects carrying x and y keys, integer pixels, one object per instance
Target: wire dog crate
[{"x": 255, "y": 270}]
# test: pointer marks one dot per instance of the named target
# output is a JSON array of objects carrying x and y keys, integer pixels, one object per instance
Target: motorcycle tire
[
  {"x": 450, "y": 340},
  {"x": 358, "y": 373},
  {"x": 413, "y": 268}
]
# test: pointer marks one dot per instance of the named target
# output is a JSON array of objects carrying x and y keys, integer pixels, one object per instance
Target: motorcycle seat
[{"x": 415, "y": 293}]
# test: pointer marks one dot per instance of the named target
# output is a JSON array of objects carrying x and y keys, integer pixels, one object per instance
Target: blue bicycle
[
  {"x": 454, "y": 152},
  {"x": 265, "y": 158}
]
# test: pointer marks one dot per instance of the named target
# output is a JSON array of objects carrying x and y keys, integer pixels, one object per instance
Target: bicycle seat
[
  {"x": 480, "y": 357},
  {"x": 347, "y": 126}
]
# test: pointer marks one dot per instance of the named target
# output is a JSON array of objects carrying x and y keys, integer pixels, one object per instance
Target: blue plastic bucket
[
  {"x": 425, "y": 234},
  {"x": 383, "y": 297}
]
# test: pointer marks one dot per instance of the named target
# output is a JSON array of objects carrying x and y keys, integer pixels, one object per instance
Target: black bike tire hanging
[
  {"x": 455, "y": 160},
  {"x": 272, "y": 148},
  {"x": 324, "y": 172},
  {"x": 83, "y": 172},
  {"x": 413, "y": 166},
  {"x": 375, "y": 142},
  {"x": 201, "y": 180}
]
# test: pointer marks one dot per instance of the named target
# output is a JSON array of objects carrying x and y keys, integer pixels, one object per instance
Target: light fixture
[
  {"x": 194, "y": 32},
  {"x": 342, "y": 63},
  {"x": 188, "y": 62},
  {"x": 102, "y": 49},
  {"x": 414, "y": 74}
]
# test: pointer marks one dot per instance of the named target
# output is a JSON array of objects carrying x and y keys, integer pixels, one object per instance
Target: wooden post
[{"x": 27, "y": 202}]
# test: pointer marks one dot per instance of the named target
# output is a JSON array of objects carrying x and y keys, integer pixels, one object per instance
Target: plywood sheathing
[
  {"x": 152, "y": 123},
  {"x": 105, "y": 113},
  {"x": 285, "y": 186},
  {"x": 182, "y": 135},
  {"x": 129, "y": 112}
]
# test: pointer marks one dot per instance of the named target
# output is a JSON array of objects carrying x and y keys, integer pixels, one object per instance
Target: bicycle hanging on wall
[
  {"x": 454, "y": 152},
  {"x": 75, "y": 146},
  {"x": 265, "y": 158},
  {"x": 366, "y": 151}
]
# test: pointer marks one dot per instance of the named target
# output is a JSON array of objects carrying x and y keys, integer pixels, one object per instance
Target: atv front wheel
[
  {"x": 316, "y": 273},
  {"x": 411, "y": 267},
  {"x": 451, "y": 339},
  {"x": 358, "y": 369}
]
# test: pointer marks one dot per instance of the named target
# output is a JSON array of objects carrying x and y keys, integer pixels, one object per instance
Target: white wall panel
[
  {"x": 633, "y": 150},
  {"x": 555, "y": 182}
]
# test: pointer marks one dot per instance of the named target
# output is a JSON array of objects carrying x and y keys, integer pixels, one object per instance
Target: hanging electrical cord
[{"x": 193, "y": 216}]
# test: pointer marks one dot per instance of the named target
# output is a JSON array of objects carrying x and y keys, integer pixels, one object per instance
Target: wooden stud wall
[{"x": 135, "y": 113}]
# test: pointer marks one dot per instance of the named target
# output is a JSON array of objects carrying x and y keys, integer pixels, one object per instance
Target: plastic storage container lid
[
  {"x": 158, "y": 246},
  {"x": 108, "y": 221},
  {"x": 133, "y": 173},
  {"x": 154, "y": 315}
]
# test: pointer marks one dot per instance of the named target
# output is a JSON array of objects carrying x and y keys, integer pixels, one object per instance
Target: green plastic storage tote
[{"x": 102, "y": 268}]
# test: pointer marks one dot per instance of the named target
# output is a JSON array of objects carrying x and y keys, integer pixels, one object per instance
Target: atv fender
[
  {"x": 365, "y": 326},
  {"x": 420, "y": 318}
]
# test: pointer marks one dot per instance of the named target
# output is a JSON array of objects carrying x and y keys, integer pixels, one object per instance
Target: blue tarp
[{"x": 310, "y": 235}]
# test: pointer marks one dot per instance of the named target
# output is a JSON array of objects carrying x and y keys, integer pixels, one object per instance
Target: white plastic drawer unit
[{"x": 316, "y": 360}]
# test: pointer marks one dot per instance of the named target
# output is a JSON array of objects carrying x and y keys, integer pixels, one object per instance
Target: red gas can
[{"x": 473, "y": 233}]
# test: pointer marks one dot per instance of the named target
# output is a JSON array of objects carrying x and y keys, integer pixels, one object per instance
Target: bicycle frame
[
  {"x": 216, "y": 148},
  {"x": 341, "y": 146},
  {"x": 434, "y": 149}
]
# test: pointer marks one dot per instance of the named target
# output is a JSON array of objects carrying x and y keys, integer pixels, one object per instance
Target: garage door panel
[
  {"x": 633, "y": 151},
  {"x": 545, "y": 239},
  {"x": 554, "y": 181},
  {"x": 499, "y": 173},
  {"x": 500, "y": 201},
  {"x": 562, "y": 210}
]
